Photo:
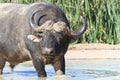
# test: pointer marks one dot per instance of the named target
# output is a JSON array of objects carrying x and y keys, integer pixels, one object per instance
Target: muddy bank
[
  {"x": 94, "y": 46},
  {"x": 93, "y": 51}
]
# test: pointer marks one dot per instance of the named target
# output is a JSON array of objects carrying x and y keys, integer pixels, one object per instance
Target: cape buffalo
[{"x": 39, "y": 32}]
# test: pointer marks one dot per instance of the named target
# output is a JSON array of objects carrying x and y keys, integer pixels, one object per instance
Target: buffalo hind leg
[
  {"x": 12, "y": 66},
  {"x": 59, "y": 66},
  {"x": 2, "y": 64}
]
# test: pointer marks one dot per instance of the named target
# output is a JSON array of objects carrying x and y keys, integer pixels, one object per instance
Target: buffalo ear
[{"x": 35, "y": 38}]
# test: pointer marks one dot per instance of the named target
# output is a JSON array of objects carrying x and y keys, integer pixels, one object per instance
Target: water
[{"x": 75, "y": 70}]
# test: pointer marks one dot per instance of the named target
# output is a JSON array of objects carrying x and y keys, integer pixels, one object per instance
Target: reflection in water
[
  {"x": 75, "y": 70},
  {"x": 1, "y": 78},
  {"x": 62, "y": 77},
  {"x": 18, "y": 77}
]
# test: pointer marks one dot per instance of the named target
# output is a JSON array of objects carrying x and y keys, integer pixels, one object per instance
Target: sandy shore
[{"x": 93, "y": 51}]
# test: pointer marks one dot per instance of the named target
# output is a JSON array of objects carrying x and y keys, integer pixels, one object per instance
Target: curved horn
[
  {"x": 32, "y": 21},
  {"x": 79, "y": 32},
  {"x": 47, "y": 25}
]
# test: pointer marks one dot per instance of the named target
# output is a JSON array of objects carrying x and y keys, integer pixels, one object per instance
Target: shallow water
[{"x": 75, "y": 70}]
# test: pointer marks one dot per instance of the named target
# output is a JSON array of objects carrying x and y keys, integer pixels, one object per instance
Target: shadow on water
[{"x": 75, "y": 70}]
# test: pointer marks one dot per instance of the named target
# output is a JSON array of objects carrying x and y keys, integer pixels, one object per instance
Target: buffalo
[{"x": 39, "y": 32}]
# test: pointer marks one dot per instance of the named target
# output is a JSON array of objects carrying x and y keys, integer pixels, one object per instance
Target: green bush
[{"x": 103, "y": 18}]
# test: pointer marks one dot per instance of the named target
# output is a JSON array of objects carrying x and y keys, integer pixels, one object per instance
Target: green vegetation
[{"x": 103, "y": 18}]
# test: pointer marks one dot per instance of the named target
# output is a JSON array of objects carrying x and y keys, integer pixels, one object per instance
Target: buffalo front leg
[
  {"x": 2, "y": 64},
  {"x": 59, "y": 66},
  {"x": 40, "y": 67}
]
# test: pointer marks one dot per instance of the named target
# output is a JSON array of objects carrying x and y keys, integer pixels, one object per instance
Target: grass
[{"x": 103, "y": 18}]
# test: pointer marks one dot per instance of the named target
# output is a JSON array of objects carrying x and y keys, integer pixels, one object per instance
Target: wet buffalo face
[{"x": 52, "y": 43}]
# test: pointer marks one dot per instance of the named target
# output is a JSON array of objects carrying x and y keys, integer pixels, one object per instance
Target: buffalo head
[{"x": 54, "y": 37}]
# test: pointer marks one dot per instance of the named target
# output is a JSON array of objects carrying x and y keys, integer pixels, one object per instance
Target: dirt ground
[{"x": 93, "y": 51}]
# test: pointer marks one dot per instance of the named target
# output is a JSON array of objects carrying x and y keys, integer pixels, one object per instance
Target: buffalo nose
[{"x": 48, "y": 51}]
